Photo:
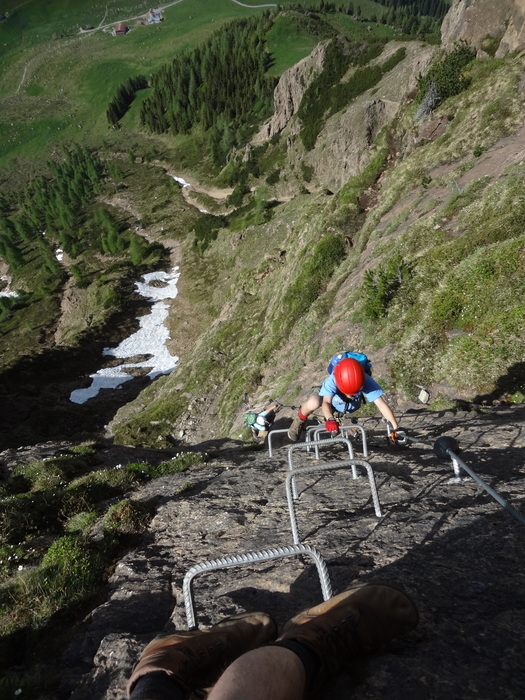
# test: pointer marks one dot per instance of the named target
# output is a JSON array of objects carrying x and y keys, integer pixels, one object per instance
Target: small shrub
[
  {"x": 382, "y": 284},
  {"x": 84, "y": 448},
  {"x": 79, "y": 274},
  {"x": 490, "y": 45},
  {"x": 445, "y": 309},
  {"x": 71, "y": 567},
  {"x": 68, "y": 553},
  {"x": 207, "y": 230},
  {"x": 274, "y": 177},
  {"x": 307, "y": 172},
  {"x": 42, "y": 474},
  {"x": 127, "y": 518},
  {"x": 236, "y": 197},
  {"x": 446, "y": 76}
]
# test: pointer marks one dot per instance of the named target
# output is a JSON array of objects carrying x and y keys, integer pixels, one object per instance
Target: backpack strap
[{"x": 344, "y": 398}]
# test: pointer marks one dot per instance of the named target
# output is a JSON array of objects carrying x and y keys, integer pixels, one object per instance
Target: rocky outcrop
[
  {"x": 343, "y": 147},
  {"x": 445, "y": 541},
  {"x": 432, "y": 129},
  {"x": 289, "y": 92},
  {"x": 477, "y": 21}
]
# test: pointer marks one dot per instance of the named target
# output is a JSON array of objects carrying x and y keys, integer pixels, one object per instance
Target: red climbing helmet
[{"x": 349, "y": 376}]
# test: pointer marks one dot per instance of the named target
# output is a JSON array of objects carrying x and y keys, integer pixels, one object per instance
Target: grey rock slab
[{"x": 446, "y": 542}]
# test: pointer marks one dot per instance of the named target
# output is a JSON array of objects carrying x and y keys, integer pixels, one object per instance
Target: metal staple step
[
  {"x": 317, "y": 443},
  {"x": 290, "y": 487},
  {"x": 250, "y": 558}
]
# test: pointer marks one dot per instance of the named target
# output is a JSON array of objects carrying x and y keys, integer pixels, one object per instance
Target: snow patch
[
  {"x": 149, "y": 340},
  {"x": 7, "y": 291},
  {"x": 181, "y": 181}
]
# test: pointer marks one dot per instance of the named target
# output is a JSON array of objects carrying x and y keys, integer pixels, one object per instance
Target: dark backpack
[{"x": 359, "y": 356}]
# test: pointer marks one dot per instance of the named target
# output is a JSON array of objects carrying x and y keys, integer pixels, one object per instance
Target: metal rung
[
  {"x": 270, "y": 437},
  {"x": 250, "y": 558},
  {"x": 347, "y": 428},
  {"x": 316, "y": 443},
  {"x": 314, "y": 431},
  {"x": 290, "y": 487},
  {"x": 317, "y": 440}
]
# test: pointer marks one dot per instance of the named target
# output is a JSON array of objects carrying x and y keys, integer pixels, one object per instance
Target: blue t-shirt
[{"x": 371, "y": 391}]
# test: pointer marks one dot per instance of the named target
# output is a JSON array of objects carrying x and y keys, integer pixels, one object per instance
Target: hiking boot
[
  {"x": 357, "y": 621},
  {"x": 261, "y": 437},
  {"x": 296, "y": 430},
  {"x": 195, "y": 660}
]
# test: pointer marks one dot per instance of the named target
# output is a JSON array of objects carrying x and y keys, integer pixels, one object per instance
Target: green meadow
[{"x": 56, "y": 81}]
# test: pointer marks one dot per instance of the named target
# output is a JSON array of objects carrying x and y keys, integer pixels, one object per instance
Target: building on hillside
[
  {"x": 121, "y": 29},
  {"x": 154, "y": 17}
]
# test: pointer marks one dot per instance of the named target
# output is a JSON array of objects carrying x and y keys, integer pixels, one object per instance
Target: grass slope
[{"x": 449, "y": 214}]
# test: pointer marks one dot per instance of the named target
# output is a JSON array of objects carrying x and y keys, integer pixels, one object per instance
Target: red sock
[{"x": 301, "y": 416}]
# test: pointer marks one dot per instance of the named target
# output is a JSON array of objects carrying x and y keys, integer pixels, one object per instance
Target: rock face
[
  {"x": 476, "y": 20},
  {"x": 446, "y": 542},
  {"x": 344, "y": 146},
  {"x": 289, "y": 92}
]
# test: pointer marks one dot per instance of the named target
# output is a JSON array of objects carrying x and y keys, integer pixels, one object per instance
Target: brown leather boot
[
  {"x": 357, "y": 621},
  {"x": 196, "y": 659},
  {"x": 296, "y": 430}
]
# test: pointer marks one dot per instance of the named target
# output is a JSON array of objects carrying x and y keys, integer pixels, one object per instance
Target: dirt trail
[{"x": 191, "y": 187}]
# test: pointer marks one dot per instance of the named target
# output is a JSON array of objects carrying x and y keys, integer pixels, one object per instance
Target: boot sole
[{"x": 347, "y": 597}]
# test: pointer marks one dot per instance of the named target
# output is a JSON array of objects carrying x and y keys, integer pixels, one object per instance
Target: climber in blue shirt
[{"x": 343, "y": 391}]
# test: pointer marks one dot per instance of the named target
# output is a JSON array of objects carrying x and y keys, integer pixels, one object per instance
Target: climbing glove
[
  {"x": 398, "y": 438},
  {"x": 332, "y": 426}
]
